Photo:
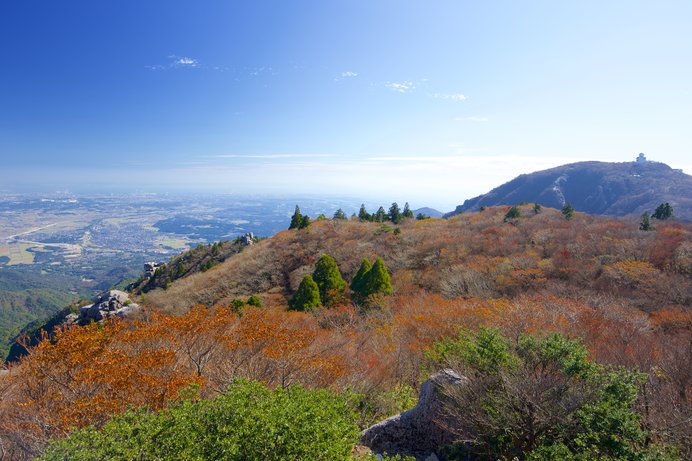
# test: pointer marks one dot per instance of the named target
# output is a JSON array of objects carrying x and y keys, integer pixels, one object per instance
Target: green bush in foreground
[
  {"x": 249, "y": 423},
  {"x": 541, "y": 399}
]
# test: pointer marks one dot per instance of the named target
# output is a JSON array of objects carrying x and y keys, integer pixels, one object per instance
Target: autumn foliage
[{"x": 626, "y": 293}]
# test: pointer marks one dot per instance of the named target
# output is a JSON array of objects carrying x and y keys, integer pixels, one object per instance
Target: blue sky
[{"x": 430, "y": 102}]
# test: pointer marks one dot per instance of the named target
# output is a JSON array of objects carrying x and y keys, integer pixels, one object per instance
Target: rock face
[
  {"x": 113, "y": 303},
  {"x": 419, "y": 431},
  {"x": 247, "y": 239},
  {"x": 150, "y": 268}
]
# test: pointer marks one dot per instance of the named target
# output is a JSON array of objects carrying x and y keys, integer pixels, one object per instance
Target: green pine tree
[
  {"x": 340, "y": 215},
  {"x": 296, "y": 219},
  {"x": 567, "y": 211},
  {"x": 307, "y": 297},
  {"x": 645, "y": 222},
  {"x": 363, "y": 214},
  {"x": 407, "y": 213},
  {"x": 537, "y": 208},
  {"x": 663, "y": 211},
  {"x": 329, "y": 281},
  {"x": 358, "y": 282},
  {"x": 304, "y": 222},
  {"x": 380, "y": 216},
  {"x": 395, "y": 213},
  {"x": 378, "y": 280},
  {"x": 513, "y": 213}
]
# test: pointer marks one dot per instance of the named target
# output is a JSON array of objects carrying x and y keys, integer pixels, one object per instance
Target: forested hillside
[
  {"x": 620, "y": 295},
  {"x": 27, "y": 296}
]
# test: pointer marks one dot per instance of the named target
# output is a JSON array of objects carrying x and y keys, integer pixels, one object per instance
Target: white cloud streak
[
  {"x": 450, "y": 96},
  {"x": 185, "y": 62},
  {"x": 345, "y": 75},
  {"x": 401, "y": 87},
  {"x": 177, "y": 62}
]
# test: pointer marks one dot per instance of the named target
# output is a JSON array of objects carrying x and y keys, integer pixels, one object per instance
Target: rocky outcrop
[
  {"x": 150, "y": 268},
  {"x": 113, "y": 303},
  {"x": 420, "y": 431},
  {"x": 247, "y": 239}
]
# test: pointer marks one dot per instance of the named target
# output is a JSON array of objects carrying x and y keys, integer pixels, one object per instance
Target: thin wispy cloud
[
  {"x": 176, "y": 62},
  {"x": 345, "y": 75},
  {"x": 184, "y": 62},
  {"x": 450, "y": 96},
  {"x": 401, "y": 87},
  {"x": 472, "y": 118}
]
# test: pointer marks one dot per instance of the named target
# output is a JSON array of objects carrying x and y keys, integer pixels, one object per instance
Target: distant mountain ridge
[{"x": 613, "y": 189}]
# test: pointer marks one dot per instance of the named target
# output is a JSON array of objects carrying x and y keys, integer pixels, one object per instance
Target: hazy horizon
[{"x": 386, "y": 100}]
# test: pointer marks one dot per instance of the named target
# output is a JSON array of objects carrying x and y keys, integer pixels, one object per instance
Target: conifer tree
[
  {"x": 378, "y": 280},
  {"x": 296, "y": 219},
  {"x": 513, "y": 213},
  {"x": 340, "y": 214},
  {"x": 329, "y": 280},
  {"x": 307, "y": 297},
  {"x": 645, "y": 222},
  {"x": 407, "y": 213},
  {"x": 537, "y": 208},
  {"x": 567, "y": 211},
  {"x": 304, "y": 222},
  {"x": 380, "y": 216},
  {"x": 358, "y": 282},
  {"x": 663, "y": 211},
  {"x": 395, "y": 213},
  {"x": 363, "y": 214}
]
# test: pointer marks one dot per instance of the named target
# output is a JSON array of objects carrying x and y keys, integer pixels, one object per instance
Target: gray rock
[
  {"x": 150, "y": 268},
  {"x": 420, "y": 431},
  {"x": 71, "y": 319},
  {"x": 247, "y": 239},
  {"x": 113, "y": 303}
]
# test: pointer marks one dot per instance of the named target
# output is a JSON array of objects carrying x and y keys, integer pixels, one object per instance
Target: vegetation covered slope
[
  {"x": 198, "y": 259},
  {"x": 624, "y": 292},
  {"x": 28, "y": 296},
  {"x": 614, "y": 189},
  {"x": 472, "y": 255}
]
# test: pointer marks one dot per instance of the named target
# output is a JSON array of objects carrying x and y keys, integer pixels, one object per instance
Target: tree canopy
[
  {"x": 663, "y": 211},
  {"x": 567, "y": 211},
  {"x": 378, "y": 280},
  {"x": 363, "y": 214},
  {"x": 407, "y": 213},
  {"x": 307, "y": 297},
  {"x": 395, "y": 213},
  {"x": 296, "y": 219},
  {"x": 512, "y": 213},
  {"x": 645, "y": 222},
  {"x": 328, "y": 278},
  {"x": 358, "y": 282},
  {"x": 380, "y": 215}
]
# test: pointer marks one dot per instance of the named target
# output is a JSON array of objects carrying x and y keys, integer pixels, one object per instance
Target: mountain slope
[
  {"x": 475, "y": 254},
  {"x": 613, "y": 189}
]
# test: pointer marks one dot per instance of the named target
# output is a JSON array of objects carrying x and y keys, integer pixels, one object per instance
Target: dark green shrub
[
  {"x": 539, "y": 398},
  {"x": 248, "y": 423}
]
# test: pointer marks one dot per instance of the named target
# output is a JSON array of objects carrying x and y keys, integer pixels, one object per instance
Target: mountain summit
[{"x": 614, "y": 189}]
